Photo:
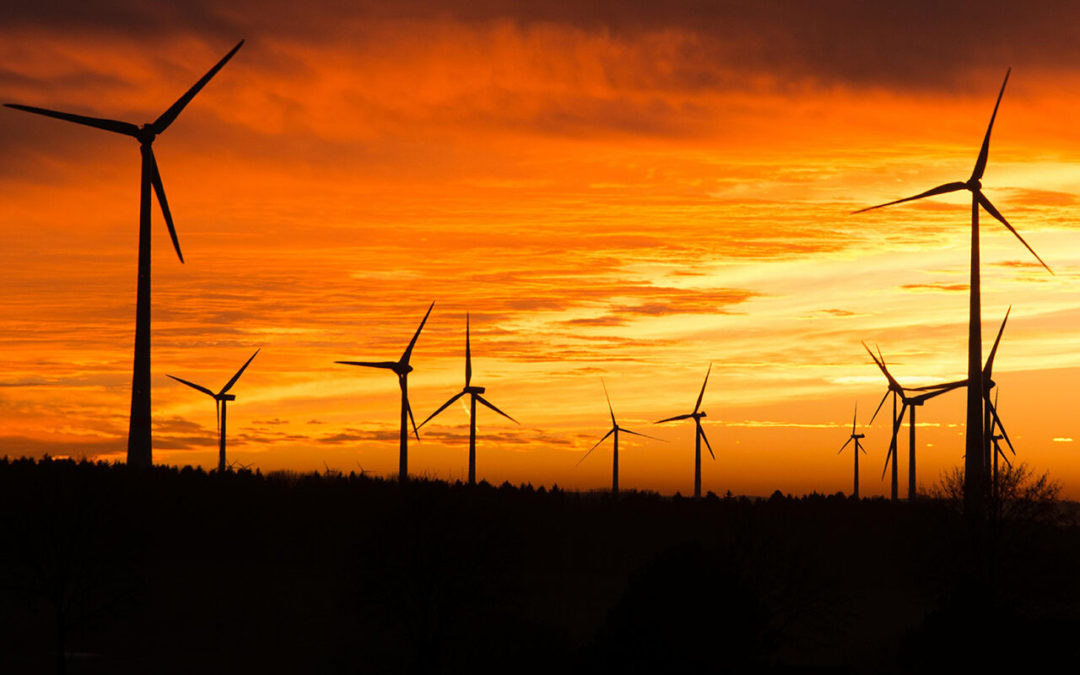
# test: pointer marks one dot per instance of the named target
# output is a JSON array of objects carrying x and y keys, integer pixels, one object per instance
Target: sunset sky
[{"x": 626, "y": 190}]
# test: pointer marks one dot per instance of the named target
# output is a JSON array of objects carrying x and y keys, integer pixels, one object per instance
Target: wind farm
[{"x": 613, "y": 193}]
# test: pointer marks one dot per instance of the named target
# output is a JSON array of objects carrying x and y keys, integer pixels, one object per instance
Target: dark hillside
[{"x": 178, "y": 571}]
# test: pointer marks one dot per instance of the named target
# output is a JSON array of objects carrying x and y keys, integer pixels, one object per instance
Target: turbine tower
[
  {"x": 139, "y": 452},
  {"x": 402, "y": 368},
  {"x": 475, "y": 394},
  {"x": 221, "y": 400},
  {"x": 975, "y": 469},
  {"x": 614, "y": 431},
  {"x": 858, "y": 448},
  {"x": 699, "y": 433}
]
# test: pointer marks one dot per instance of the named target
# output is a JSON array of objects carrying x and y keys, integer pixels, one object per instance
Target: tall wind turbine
[
  {"x": 139, "y": 452},
  {"x": 615, "y": 429},
  {"x": 908, "y": 403},
  {"x": 858, "y": 448},
  {"x": 221, "y": 401},
  {"x": 974, "y": 465},
  {"x": 474, "y": 394},
  {"x": 402, "y": 368},
  {"x": 699, "y": 433}
]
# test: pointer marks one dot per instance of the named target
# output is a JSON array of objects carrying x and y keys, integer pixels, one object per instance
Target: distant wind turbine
[
  {"x": 139, "y": 451},
  {"x": 402, "y": 368},
  {"x": 975, "y": 469},
  {"x": 615, "y": 429},
  {"x": 221, "y": 401},
  {"x": 858, "y": 448},
  {"x": 474, "y": 394},
  {"x": 699, "y": 433},
  {"x": 909, "y": 403}
]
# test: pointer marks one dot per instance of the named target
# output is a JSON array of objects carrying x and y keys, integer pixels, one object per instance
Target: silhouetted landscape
[{"x": 171, "y": 570}]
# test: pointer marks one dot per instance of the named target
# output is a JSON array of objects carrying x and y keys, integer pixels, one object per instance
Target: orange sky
[{"x": 618, "y": 191}]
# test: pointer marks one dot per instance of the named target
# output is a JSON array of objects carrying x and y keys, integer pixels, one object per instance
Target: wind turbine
[
  {"x": 975, "y": 468},
  {"x": 858, "y": 448},
  {"x": 402, "y": 368},
  {"x": 139, "y": 451},
  {"x": 990, "y": 408},
  {"x": 474, "y": 394},
  {"x": 615, "y": 429},
  {"x": 221, "y": 401},
  {"x": 908, "y": 403},
  {"x": 699, "y": 433}
]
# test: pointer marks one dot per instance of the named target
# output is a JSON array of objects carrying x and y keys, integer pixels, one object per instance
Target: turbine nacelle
[
  {"x": 225, "y": 397},
  {"x": 474, "y": 390}
]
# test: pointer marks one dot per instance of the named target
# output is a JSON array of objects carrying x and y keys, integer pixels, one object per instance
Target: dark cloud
[{"x": 918, "y": 44}]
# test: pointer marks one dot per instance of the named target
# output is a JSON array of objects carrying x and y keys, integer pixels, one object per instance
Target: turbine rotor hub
[
  {"x": 974, "y": 185},
  {"x": 146, "y": 134}
]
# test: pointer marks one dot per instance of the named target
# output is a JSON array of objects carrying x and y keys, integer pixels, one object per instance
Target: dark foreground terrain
[{"x": 177, "y": 571}]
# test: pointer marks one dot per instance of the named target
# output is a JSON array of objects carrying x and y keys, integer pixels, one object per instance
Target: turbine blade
[
  {"x": 881, "y": 366},
  {"x": 468, "y": 354},
  {"x": 937, "y": 392},
  {"x": 997, "y": 420},
  {"x": 412, "y": 343},
  {"x": 408, "y": 408},
  {"x": 984, "y": 152},
  {"x": 595, "y": 446},
  {"x": 879, "y": 408},
  {"x": 701, "y": 430},
  {"x": 116, "y": 126},
  {"x": 988, "y": 370},
  {"x": 217, "y": 410},
  {"x": 948, "y": 386},
  {"x": 854, "y": 417},
  {"x": 672, "y": 419},
  {"x": 847, "y": 443},
  {"x": 634, "y": 433},
  {"x": 159, "y": 190},
  {"x": 985, "y": 203},
  {"x": 240, "y": 372},
  {"x": 485, "y": 402},
  {"x": 939, "y": 190},
  {"x": 888, "y": 456},
  {"x": 193, "y": 385},
  {"x": 702, "y": 394},
  {"x": 443, "y": 407},
  {"x": 162, "y": 123},
  {"x": 610, "y": 409},
  {"x": 387, "y": 365}
]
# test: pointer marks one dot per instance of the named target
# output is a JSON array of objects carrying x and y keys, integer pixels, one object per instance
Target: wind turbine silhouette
[
  {"x": 908, "y": 403},
  {"x": 858, "y": 448},
  {"x": 989, "y": 408},
  {"x": 402, "y": 368},
  {"x": 474, "y": 394},
  {"x": 140, "y": 451},
  {"x": 699, "y": 433},
  {"x": 221, "y": 401},
  {"x": 975, "y": 469},
  {"x": 615, "y": 429}
]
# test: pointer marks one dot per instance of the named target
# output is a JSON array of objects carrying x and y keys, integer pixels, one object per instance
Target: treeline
[{"x": 109, "y": 569}]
